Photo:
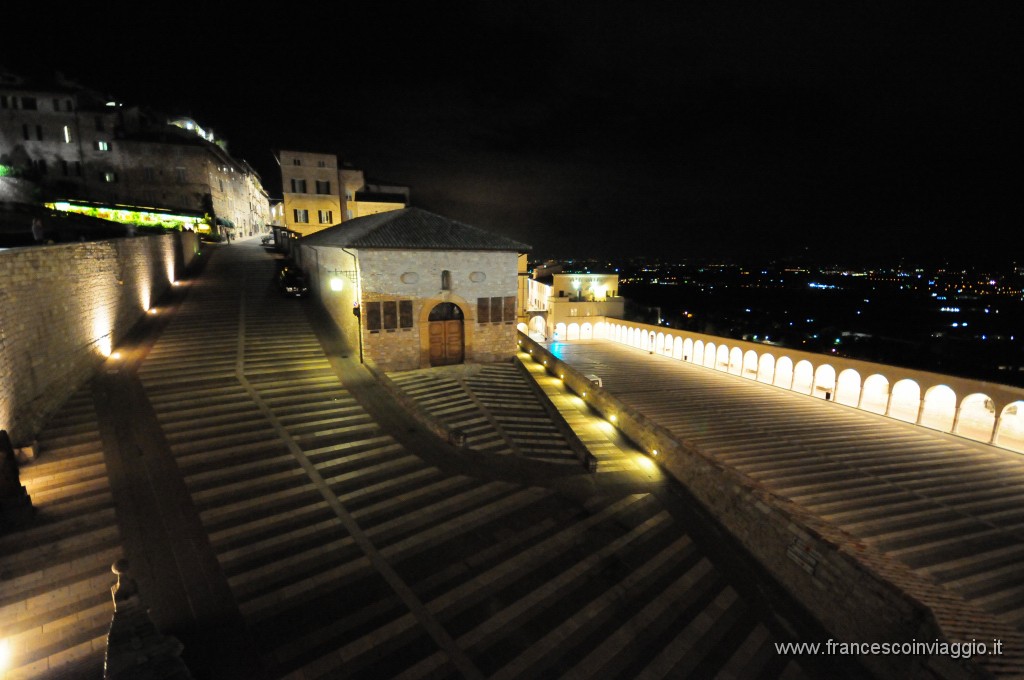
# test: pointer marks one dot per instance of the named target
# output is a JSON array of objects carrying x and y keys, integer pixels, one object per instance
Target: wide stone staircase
[
  {"x": 55, "y": 578},
  {"x": 349, "y": 555},
  {"x": 494, "y": 405}
]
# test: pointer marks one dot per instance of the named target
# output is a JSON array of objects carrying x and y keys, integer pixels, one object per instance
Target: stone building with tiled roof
[{"x": 414, "y": 289}]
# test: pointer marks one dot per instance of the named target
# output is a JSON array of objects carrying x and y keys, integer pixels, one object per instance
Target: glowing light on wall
[
  {"x": 336, "y": 284},
  {"x": 5, "y": 654},
  {"x": 102, "y": 333},
  {"x": 169, "y": 268}
]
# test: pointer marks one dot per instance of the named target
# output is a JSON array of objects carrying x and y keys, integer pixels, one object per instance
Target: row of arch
[{"x": 938, "y": 408}]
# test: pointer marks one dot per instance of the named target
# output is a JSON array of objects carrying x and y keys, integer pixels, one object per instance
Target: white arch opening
[
  {"x": 976, "y": 418},
  {"x": 875, "y": 395},
  {"x": 939, "y": 409},
  {"x": 783, "y": 373},
  {"x": 1011, "y": 427},
  {"x": 905, "y": 401},
  {"x": 848, "y": 388}
]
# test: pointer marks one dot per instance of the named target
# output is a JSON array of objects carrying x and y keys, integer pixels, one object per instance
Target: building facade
[
  {"x": 411, "y": 289},
  {"x": 555, "y": 301},
  {"x": 318, "y": 194},
  {"x": 75, "y": 146},
  {"x": 311, "y": 195}
]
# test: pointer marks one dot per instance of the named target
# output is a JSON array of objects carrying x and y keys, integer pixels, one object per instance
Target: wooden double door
[{"x": 447, "y": 335}]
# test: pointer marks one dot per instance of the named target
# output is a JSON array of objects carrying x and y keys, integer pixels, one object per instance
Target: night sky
[{"x": 835, "y": 130}]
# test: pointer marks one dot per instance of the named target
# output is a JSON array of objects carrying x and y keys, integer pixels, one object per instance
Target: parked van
[{"x": 594, "y": 379}]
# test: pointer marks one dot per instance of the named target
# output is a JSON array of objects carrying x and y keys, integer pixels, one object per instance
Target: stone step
[{"x": 33, "y": 560}]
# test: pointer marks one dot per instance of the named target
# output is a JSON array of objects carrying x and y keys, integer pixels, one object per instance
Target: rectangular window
[
  {"x": 221, "y": 185},
  {"x": 296, "y": 161},
  {"x": 109, "y": 176},
  {"x": 39, "y": 132},
  {"x": 29, "y": 103},
  {"x": 78, "y": 168},
  {"x": 323, "y": 186},
  {"x": 102, "y": 146},
  {"x": 67, "y": 134},
  {"x": 65, "y": 168},
  {"x": 483, "y": 306},
  {"x": 389, "y": 312},
  {"x": 372, "y": 316},
  {"x": 56, "y": 105},
  {"x": 495, "y": 310},
  {"x": 326, "y": 216},
  {"x": 3, "y": 101},
  {"x": 24, "y": 132},
  {"x": 298, "y": 186},
  {"x": 41, "y": 164},
  {"x": 510, "y": 309},
  {"x": 321, "y": 164},
  {"x": 69, "y": 106},
  {"x": 179, "y": 174},
  {"x": 149, "y": 173},
  {"x": 405, "y": 313},
  {"x": 99, "y": 124},
  {"x": 301, "y": 216}
]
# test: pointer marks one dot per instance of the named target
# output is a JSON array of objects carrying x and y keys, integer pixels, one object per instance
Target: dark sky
[{"x": 599, "y": 128}]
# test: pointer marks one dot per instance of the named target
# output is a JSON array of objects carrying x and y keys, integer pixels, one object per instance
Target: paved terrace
[
  {"x": 285, "y": 519},
  {"x": 948, "y": 511}
]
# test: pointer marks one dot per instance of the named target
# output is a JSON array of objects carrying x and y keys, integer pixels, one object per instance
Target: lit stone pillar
[{"x": 15, "y": 503}]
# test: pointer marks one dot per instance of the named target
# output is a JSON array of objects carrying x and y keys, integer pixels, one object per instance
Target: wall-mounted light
[{"x": 336, "y": 283}]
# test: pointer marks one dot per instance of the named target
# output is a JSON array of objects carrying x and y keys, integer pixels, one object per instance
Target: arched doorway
[{"x": 447, "y": 341}]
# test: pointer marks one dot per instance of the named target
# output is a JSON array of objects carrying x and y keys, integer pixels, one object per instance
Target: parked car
[{"x": 292, "y": 282}]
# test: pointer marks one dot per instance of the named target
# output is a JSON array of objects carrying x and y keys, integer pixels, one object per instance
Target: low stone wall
[
  {"x": 847, "y": 585},
  {"x": 64, "y": 307}
]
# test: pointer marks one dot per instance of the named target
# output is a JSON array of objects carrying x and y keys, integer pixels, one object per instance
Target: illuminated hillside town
[{"x": 320, "y": 430}]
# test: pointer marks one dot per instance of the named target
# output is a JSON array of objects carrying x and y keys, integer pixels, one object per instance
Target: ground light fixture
[{"x": 612, "y": 418}]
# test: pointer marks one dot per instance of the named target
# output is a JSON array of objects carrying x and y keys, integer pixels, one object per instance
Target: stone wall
[
  {"x": 64, "y": 308},
  {"x": 416, "y": 275}
]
